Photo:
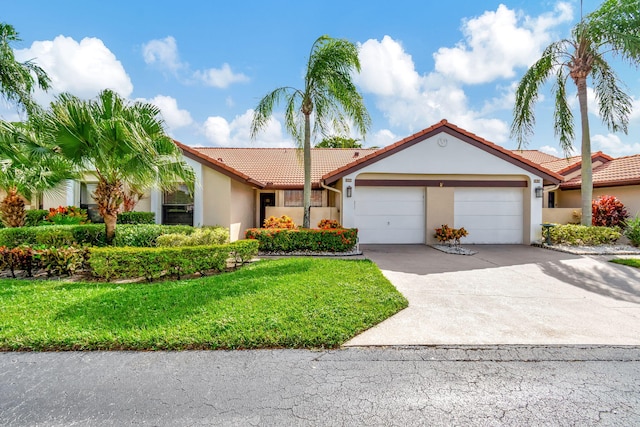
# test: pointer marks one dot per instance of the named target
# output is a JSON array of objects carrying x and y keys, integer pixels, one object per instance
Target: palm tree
[
  {"x": 28, "y": 167},
  {"x": 123, "y": 144},
  {"x": 612, "y": 29},
  {"x": 17, "y": 78},
  {"x": 329, "y": 94}
]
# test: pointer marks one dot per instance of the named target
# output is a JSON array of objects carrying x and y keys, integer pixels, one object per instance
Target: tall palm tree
[
  {"x": 17, "y": 80},
  {"x": 123, "y": 144},
  {"x": 28, "y": 167},
  {"x": 329, "y": 94},
  {"x": 612, "y": 29}
]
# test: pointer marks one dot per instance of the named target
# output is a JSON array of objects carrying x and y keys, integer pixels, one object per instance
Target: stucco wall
[
  {"x": 628, "y": 195},
  {"x": 439, "y": 210},
  {"x": 216, "y": 203},
  {"x": 559, "y": 215},
  {"x": 297, "y": 213},
  {"x": 242, "y": 210}
]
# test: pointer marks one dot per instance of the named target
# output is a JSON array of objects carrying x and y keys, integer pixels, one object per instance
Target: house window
[
  {"x": 87, "y": 201},
  {"x": 551, "y": 201},
  {"x": 293, "y": 198},
  {"x": 177, "y": 206}
]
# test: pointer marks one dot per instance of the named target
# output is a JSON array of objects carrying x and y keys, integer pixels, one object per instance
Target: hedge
[
  {"x": 304, "y": 240},
  {"x": 136, "y": 218},
  {"x": 151, "y": 263},
  {"x": 572, "y": 234},
  {"x": 55, "y": 261},
  {"x": 141, "y": 235}
]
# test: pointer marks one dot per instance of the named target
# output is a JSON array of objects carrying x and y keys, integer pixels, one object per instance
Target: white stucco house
[{"x": 397, "y": 194}]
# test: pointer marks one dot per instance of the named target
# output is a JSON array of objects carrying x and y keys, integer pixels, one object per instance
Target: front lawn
[
  {"x": 291, "y": 303},
  {"x": 633, "y": 262}
]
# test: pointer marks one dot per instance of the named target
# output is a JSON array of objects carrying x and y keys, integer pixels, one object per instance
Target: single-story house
[
  {"x": 397, "y": 194},
  {"x": 618, "y": 177}
]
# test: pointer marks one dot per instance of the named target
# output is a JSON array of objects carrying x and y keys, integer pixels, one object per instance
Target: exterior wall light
[
  {"x": 539, "y": 192},
  {"x": 349, "y": 191}
]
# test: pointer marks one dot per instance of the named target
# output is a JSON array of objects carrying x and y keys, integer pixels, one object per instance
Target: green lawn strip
[
  {"x": 632, "y": 262},
  {"x": 286, "y": 303}
]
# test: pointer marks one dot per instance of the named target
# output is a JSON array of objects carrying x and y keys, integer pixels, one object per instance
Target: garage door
[
  {"x": 390, "y": 214},
  {"x": 490, "y": 215}
]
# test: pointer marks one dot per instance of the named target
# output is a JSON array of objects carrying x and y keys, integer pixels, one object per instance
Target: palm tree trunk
[
  {"x": 306, "y": 195},
  {"x": 110, "y": 227},
  {"x": 586, "y": 189}
]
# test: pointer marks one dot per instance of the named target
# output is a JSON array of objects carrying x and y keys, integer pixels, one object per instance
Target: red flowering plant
[
  {"x": 447, "y": 235},
  {"x": 328, "y": 224},
  {"x": 283, "y": 222},
  {"x": 67, "y": 215}
]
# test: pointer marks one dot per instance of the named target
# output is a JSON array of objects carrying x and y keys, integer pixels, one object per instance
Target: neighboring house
[
  {"x": 397, "y": 194},
  {"x": 618, "y": 177}
]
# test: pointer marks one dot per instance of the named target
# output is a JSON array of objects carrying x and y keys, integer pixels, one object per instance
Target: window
[
  {"x": 177, "y": 206},
  {"x": 293, "y": 198},
  {"x": 551, "y": 202},
  {"x": 180, "y": 196}
]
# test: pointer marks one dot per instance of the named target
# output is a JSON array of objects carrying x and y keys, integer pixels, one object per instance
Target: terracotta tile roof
[
  {"x": 281, "y": 167},
  {"x": 616, "y": 172},
  {"x": 562, "y": 165},
  {"x": 444, "y": 126},
  {"x": 536, "y": 156}
]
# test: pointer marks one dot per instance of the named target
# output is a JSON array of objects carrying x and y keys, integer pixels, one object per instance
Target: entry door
[
  {"x": 266, "y": 199},
  {"x": 390, "y": 214}
]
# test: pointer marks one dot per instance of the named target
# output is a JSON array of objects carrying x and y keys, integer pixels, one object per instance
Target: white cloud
[
  {"x": 163, "y": 52},
  {"x": 550, "y": 150},
  {"x": 612, "y": 144},
  {"x": 381, "y": 138},
  {"x": 173, "y": 116},
  {"x": 83, "y": 68},
  {"x": 236, "y": 133},
  {"x": 497, "y": 42},
  {"x": 220, "y": 77}
]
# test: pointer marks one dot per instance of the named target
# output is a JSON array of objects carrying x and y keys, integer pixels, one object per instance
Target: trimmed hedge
[
  {"x": 200, "y": 237},
  {"x": 632, "y": 232},
  {"x": 572, "y": 234},
  {"x": 55, "y": 261},
  {"x": 304, "y": 240},
  {"x": 136, "y": 218},
  {"x": 35, "y": 217},
  {"x": 141, "y": 235},
  {"x": 152, "y": 263}
]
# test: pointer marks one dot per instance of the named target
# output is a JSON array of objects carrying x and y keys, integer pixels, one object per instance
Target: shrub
[
  {"x": 135, "y": 217},
  {"x": 200, "y": 237},
  {"x": 632, "y": 232},
  {"x": 59, "y": 261},
  {"x": 145, "y": 235},
  {"x": 13, "y": 237},
  {"x": 572, "y": 234},
  {"x": 56, "y": 235},
  {"x": 608, "y": 211},
  {"x": 282, "y": 222},
  {"x": 151, "y": 263},
  {"x": 69, "y": 215},
  {"x": 446, "y": 234},
  {"x": 327, "y": 224},
  {"x": 242, "y": 251},
  {"x": 313, "y": 240},
  {"x": 19, "y": 258},
  {"x": 35, "y": 217}
]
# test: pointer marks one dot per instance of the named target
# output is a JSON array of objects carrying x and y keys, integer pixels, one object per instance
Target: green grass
[
  {"x": 286, "y": 303},
  {"x": 633, "y": 262}
]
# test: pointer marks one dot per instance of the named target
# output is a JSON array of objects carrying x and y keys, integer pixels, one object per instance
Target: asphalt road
[{"x": 483, "y": 386}]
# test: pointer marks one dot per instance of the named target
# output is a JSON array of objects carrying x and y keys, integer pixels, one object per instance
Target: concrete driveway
[{"x": 506, "y": 294}]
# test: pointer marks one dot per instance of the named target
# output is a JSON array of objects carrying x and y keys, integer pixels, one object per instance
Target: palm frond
[
  {"x": 563, "y": 124},
  {"x": 614, "y": 103}
]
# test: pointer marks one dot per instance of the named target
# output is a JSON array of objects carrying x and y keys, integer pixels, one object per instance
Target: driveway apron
[{"x": 506, "y": 294}]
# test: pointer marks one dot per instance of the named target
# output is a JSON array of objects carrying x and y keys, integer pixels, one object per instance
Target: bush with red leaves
[{"x": 608, "y": 211}]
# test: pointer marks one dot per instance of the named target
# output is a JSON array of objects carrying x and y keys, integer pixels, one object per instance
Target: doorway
[{"x": 266, "y": 199}]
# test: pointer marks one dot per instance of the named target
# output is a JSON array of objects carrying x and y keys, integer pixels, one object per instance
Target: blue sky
[{"x": 207, "y": 64}]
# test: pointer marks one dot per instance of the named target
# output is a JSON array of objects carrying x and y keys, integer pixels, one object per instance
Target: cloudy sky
[{"x": 207, "y": 64}]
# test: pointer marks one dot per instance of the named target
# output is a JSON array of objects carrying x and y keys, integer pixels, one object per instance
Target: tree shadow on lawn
[
  {"x": 142, "y": 306},
  {"x": 604, "y": 278}
]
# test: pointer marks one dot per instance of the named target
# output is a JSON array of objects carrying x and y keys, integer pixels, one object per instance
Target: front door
[{"x": 266, "y": 199}]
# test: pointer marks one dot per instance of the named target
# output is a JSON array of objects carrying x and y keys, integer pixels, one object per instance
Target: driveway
[{"x": 506, "y": 294}]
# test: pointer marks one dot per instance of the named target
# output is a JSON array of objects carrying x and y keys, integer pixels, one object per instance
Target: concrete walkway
[{"x": 507, "y": 294}]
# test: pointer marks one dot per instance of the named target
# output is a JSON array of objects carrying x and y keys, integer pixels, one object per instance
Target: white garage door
[
  {"x": 390, "y": 214},
  {"x": 490, "y": 215}
]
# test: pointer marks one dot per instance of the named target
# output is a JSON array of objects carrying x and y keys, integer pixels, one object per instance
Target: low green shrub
[
  {"x": 35, "y": 217},
  {"x": 145, "y": 235},
  {"x": 571, "y": 234},
  {"x": 135, "y": 217},
  {"x": 152, "y": 263},
  {"x": 54, "y": 235},
  {"x": 200, "y": 237},
  {"x": 61, "y": 261},
  {"x": 632, "y": 232},
  {"x": 242, "y": 251},
  {"x": 312, "y": 240}
]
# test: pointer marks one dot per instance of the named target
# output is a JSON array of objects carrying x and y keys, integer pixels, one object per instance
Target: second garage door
[
  {"x": 490, "y": 215},
  {"x": 390, "y": 214}
]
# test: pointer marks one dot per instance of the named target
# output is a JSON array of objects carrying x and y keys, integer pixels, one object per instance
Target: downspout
[{"x": 339, "y": 198}]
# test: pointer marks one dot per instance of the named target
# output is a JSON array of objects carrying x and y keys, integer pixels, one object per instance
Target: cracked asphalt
[{"x": 452, "y": 385}]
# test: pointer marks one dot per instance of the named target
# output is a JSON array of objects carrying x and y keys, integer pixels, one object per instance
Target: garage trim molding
[{"x": 437, "y": 183}]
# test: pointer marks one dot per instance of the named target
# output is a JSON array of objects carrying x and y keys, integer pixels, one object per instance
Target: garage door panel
[
  {"x": 490, "y": 215},
  {"x": 390, "y": 214}
]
